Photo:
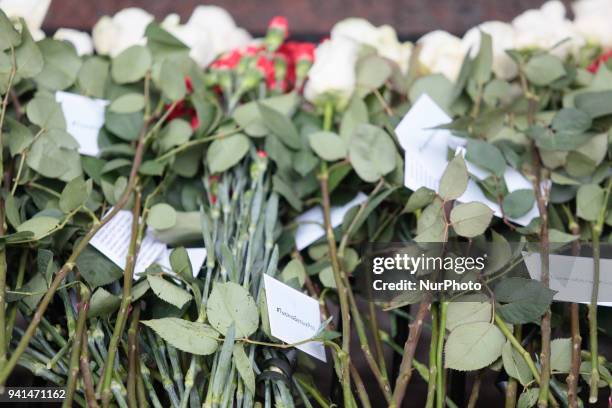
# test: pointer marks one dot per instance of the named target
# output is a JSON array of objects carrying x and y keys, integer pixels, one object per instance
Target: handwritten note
[
  {"x": 426, "y": 156},
  {"x": 84, "y": 119}
]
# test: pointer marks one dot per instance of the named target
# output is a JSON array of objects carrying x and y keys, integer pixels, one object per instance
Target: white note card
[
  {"x": 572, "y": 277},
  {"x": 113, "y": 240},
  {"x": 425, "y": 156},
  {"x": 294, "y": 317},
  {"x": 84, "y": 119},
  {"x": 196, "y": 258},
  {"x": 311, "y": 223}
]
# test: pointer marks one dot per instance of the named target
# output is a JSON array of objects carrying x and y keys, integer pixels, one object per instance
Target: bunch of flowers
[{"x": 208, "y": 138}]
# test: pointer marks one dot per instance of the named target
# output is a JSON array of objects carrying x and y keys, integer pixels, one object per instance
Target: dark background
[{"x": 310, "y": 19}]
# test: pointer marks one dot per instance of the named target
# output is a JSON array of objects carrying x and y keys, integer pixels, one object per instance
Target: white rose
[
  {"x": 332, "y": 76},
  {"x": 592, "y": 20},
  {"x": 32, "y": 11},
  {"x": 546, "y": 28},
  {"x": 441, "y": 53},
  {"x": 80, "y": 39},
  {"x": 383, "y": 39},
  {"x": 112, "y": 35},
  {"x": 502, "y": 38},
  {"x": 209, "y": 32}
]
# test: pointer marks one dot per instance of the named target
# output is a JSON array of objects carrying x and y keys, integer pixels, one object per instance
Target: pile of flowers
[{"x": 209, "y": 139}]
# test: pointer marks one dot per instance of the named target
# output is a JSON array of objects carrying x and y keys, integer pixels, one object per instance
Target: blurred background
[{"x": 309, "y": 19}]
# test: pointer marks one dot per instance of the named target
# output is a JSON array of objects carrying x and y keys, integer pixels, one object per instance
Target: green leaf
[
  {"x": 515, "y": 364},
  {"x": 550, "y": 140},
  {"x": 454, "y": 180},
  {"x": 589, "y": 202},
  {"x": 45, "y": 112},
  {"x": 561, "y": 355},
  {"x": 191, "y": 337},
  {"x": 483, "y": 63},
  {"x": 179, "y": 260},
  {"x": 430, "y": 225},
  {"x": 518, "y": 203},
  {"x": 294, "y": 271},
  {"x": 128, "y": 103},
  {"x": 419, "y": 199},
  {"x": 437, "y": 86},
  {"x": 9, "y": 37},
  {"x": 175, "y": 133},
  {"x": 465, "y": 311},
  {"x": 280, "y": 125},
  {"x": 544, "y": 69},
  {"x": 528, "y": 398},
  {"x": 126, "y": 126},
  {"x": 11, "y": 208},
  {"x": 39, "y": 226},
  {"x": 102, "y": 303},
  {"x": 168, "y": 292},
  {"x": 326, "y": 276},
  {"x": 486, "y": 155},
  {"x": 470, "y": 219},
  {"x": 92, "y": 77},
  {"x": 161, "y": 216},
  {"x": 61, "y": 65},
  {"x": 49, "y": 159},
  {"x": 371, "y": 152},
  {"x": 243, "y": 364},
  {"x": 473, "y": 346},
  {"x": 131, "y": 65},
  {"x": 74, "y": 195},
  {"x": 327, "y": 145},
  {"x": 372, "y": 72},
  {"x": 28, "y": 57},
  {"x": 97, "y": 269},
  {"x": 250, "y": 119},
  {"x": 172, "y": 79},
  {"x": 595, "y": 104},
  {"x": 571, "y": 121},
  {"x": 227, "y": 152},
  {"x": 231, "y": 304},
  {"x": 20, "y": 137},
  {"x": 523, "y": 300}
]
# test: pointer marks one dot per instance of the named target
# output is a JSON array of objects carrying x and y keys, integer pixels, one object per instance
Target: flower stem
[
  {"x": 405, "y": 370},
  {"x": 76, "y": 346},
  {"x": 431, "y": 386},
  {"x": 132, "y": 358},
  {"x": 574, "y": 373},
  {"x": 90, "y": 394},
  {"x": 126, "y": 300},
  {"x": 441, "y": 388},
  {"x": 594, "y": 381}
]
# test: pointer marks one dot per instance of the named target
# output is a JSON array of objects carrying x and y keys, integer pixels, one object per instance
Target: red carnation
[
  {"x": 600, "y": 60},
  {"x": 305, "y": 52},
  {"x": 279, "y": 23},
  {"x": 228, "y": 60},
  {"x": 262, "y": 154}
]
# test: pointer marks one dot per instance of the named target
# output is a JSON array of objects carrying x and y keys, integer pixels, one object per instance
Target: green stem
[
  {"x": 188, "y": 145},
  {"x": 126, "y": 300},
  {"x": 431, "y": 386},
  {"x": 594, "y": 381},
  {"x": 76, "y": 346},
  {"x": 132, "y": 358},
  {"x": 12, "y": 309},
  {"x": 441, "y": 388}
]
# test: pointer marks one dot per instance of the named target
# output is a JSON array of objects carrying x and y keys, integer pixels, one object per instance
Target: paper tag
[
  {"x": 293, "y": 316},
  {"x": 113, "y": 240},
  {"x": 572, "y": 277},
  {"x": 426, "y": 152},
  {"x": 196, "y": 258},
  {"x": 84, "y": 119},
  {"x": 311, "y": 223}
]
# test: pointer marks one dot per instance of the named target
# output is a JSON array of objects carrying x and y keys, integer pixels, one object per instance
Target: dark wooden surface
[{"x": 309, "y": 18}]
